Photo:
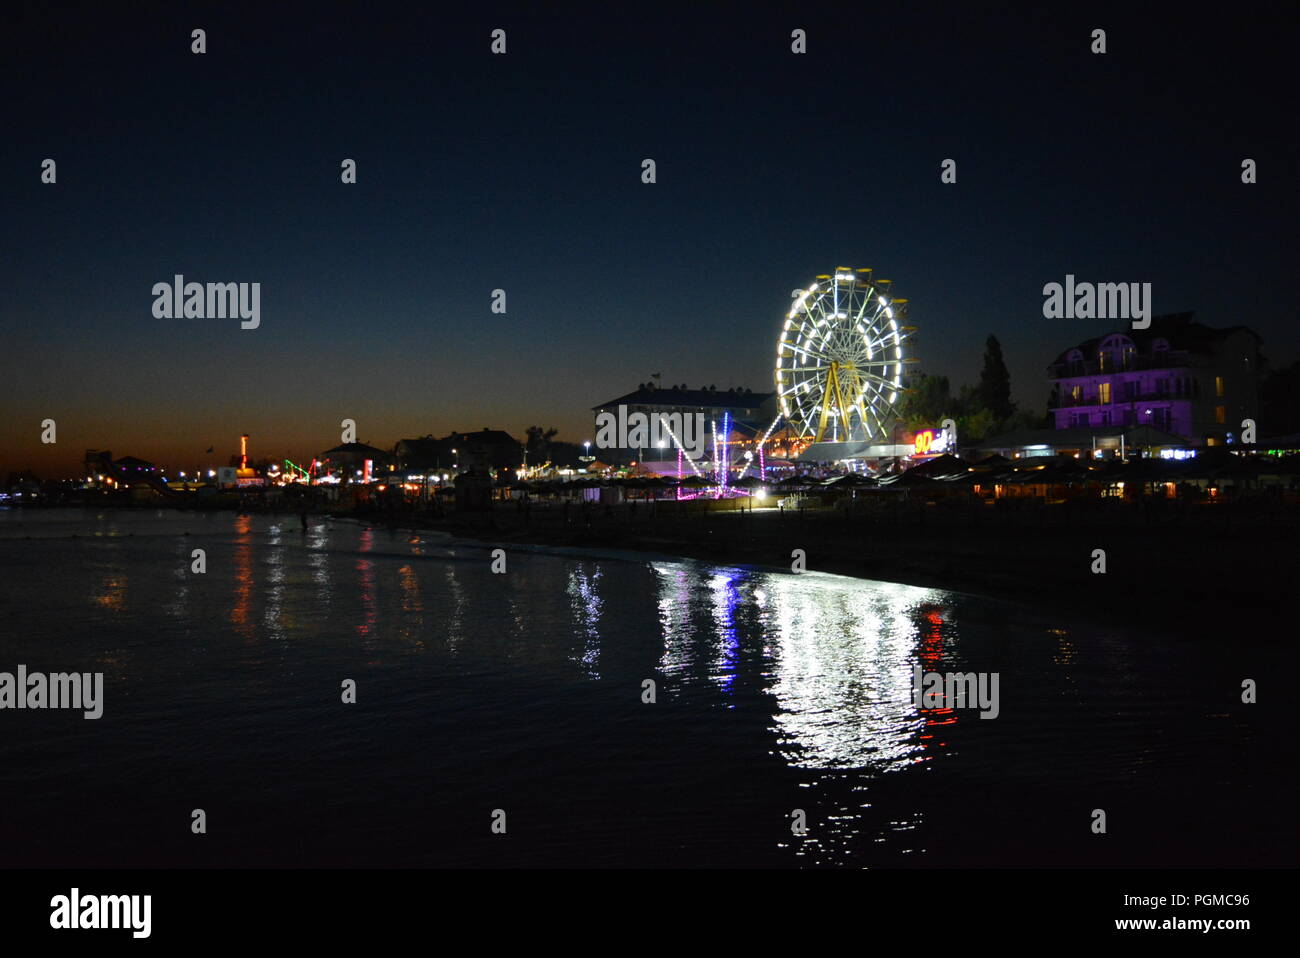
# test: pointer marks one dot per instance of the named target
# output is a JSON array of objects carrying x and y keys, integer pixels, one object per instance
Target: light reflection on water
[
  {"x": 836, "y": 658},
  {"x": 584, "y": 591},
  {"x": 796, "y": 687},
  {"x": 837, "y": 655}
]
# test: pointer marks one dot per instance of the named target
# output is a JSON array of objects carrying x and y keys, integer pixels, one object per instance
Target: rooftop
[
  {"x": 355, "y": 448},
  {"x": 1179, "y": 330},
  {"x": 680, "y": 396}
]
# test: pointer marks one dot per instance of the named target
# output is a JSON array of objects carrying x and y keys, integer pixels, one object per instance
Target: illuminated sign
[{"x": 931, "y": 441}]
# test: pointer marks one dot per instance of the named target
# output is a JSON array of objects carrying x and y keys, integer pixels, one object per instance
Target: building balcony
[
  {"x": 1171, "y": 361},
  {"x": 1069, "y": 402}
]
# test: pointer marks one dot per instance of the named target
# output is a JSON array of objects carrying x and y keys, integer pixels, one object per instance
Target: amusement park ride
[
  {"x": 839, "y": 360},
  {"x": 839, "y": 376}
]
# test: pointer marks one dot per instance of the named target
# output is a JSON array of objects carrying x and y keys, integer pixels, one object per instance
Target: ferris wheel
[{"x": 839, "y": 360}]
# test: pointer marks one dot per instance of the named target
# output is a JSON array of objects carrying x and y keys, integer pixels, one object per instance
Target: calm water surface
[{"x": 523, "y": 692}]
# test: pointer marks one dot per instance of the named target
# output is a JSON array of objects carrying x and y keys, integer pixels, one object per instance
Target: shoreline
[
  {"x": 1164, "y": 574},
  {"x": 1182, "y": 572}
]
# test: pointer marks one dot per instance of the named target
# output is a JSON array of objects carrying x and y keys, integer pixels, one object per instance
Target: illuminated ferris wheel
[{"x": 839, "y": 361}]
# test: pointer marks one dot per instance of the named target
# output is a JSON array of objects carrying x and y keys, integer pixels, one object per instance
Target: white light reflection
[
  {"x": 455, "y": 608},
  {"x": 836, "y": 652},
  {"x": 842, "y": 652},
  {"x": 674, "y": 615},
  {"x": 273, "y": 613},
  {"x": 587, "y": 604}
]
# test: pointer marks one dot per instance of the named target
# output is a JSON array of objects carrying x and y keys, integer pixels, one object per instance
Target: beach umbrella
[
  {"x": 853, "y": 479},
  {"x": 696, "y": 482},
  {"x": 910, "y": 478},
  {"x": 941, "y": 467}
]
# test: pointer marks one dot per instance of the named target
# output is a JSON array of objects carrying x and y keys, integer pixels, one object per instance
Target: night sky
[{"x": 523, "y": 172}]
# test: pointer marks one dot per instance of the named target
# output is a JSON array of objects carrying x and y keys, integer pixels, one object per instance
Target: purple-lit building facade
[{"x": 1177, "y": 376}]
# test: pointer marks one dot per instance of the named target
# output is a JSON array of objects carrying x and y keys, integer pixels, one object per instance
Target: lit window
[
  {"x": 1103, "y": 393},
  {"x": 1220, "y": 415},
  {"x": 1218, "y": 388}
]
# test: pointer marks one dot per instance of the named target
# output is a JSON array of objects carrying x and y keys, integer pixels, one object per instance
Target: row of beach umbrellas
[
  {"x": 689, "y": 482},
  {"x": 949, "y": 470}
]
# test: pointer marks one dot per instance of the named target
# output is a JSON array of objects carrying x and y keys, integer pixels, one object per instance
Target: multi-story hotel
[{"x": 1177, "y": 376}]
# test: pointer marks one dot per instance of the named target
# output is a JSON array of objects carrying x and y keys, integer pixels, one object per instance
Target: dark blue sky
[{"x": 523, "y": 172}]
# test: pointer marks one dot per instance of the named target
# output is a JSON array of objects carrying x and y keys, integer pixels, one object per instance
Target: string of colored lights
[
  {"x": 762, "y": 470},
  {"x": 713, "y": 423},
  {"x": 726, "y": 454},
  {"x": 677, "y": 442}
]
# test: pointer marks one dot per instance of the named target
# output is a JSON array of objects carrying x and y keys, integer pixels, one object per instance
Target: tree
[
  {"x": 980, "y": 411},
  {"x": 994, "y": 390},
  {"x": 1280, "y": 401},
  {"x": 538, "y": 443},
  {"x": 978, "y": 425},
  {"x": 927, "y": 402}
]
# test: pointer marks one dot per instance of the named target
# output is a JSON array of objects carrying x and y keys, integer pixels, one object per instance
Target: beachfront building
[
  {"x": 748, "y": 413},
  {"x": 102, "y": 470},
  {"x": 1177, "y": 376},
  {"x": 1081, "y": 442},
  {"x": 353, "y": 462},
  {"x": 423, "y": 456},
  {"x": 487, "y": 449}
]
